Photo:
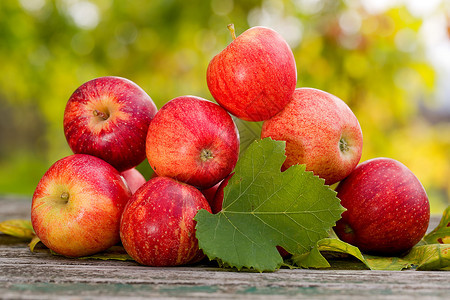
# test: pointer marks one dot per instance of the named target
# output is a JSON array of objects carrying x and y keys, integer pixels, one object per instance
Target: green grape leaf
[
  {"x": 332, "y": 245},
  {"x": 387, "y": 263},
  {"x": 264, "y": 208},
  {"x": 430, "y": 257},
  {"x": 312, "y": 259},
  {"x": 421, "y": 257},
  {"x": 34, "y": 241},
  {"x": 17, "y": 228},
  {"x": 441, "y": 234},
  {"x": 248, "y": 133}
]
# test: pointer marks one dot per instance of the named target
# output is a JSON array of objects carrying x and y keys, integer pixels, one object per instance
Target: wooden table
[{"x": 40, "y": 275}]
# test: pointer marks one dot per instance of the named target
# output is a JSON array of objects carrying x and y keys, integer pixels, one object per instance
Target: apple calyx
[
  {"x": 206, "y": 154},
  {"x": 232, "y": 31},
  {"x": 65, "y": 197},
  {"x": 343, "y": 145},
  {"x": 101, "y": 114}
]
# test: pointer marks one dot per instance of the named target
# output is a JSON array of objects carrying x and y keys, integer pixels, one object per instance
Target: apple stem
[
  {"x": 100, "y": 114},
  {"x": 232, "y": 31}
]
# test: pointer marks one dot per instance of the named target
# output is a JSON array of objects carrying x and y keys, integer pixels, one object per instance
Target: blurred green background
[{"x": 389, "y": 60}]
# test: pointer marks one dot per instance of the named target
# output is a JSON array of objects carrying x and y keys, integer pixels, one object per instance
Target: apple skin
[
  {"x": 133, "y": 178},
  {"x": 158, "y": 227},
  {"x": 210, "y": 193},
  {"x": 77, "y": 205},
  {"x": 194, "y": 141},
  {"x": 254, "y": 76},
  {"x": 387, "y": 208},
  {"x": 320, "y": 131},
  {"x": 108, "y": 117},
  {"x": 217, "y": 201}
]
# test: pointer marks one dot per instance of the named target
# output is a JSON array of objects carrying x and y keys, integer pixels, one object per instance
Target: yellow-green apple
[
  {"x": 320, "y": 131},
  {"x": 77, "y": 205},
  {"x": 108, "y": 117},
  {"x": 133, "y": 178},
  {"x": 157, "y": 226},
  {"x": 387, "y": 208},
  {"x": 254, "y": 76},
  {"x": 193, "y": 140}
]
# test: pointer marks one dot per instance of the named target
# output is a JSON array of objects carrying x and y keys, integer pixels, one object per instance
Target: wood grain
[{"x": 40, "y": 275}]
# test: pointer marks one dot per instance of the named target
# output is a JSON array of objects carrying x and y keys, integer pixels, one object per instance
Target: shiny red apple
[
  {"x": 320, "y": 131},
  {"x": 387, "y": 208},
  {"x": 210, "y": 193},
  {"x": 108, "y": 117},
  {"x": 217, "y": 201},
  {"x": 193, "y": 140},
  {"x": 158, "y": 227},
  {"x": 254, "y": 76},
  {"x": 77, "y": 205}
]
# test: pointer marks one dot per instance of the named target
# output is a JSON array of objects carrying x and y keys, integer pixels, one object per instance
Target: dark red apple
[
  {"x": 77, "y": 206},
  {"x": 108, "y": 117},
  {"x": 134, "y": 179},
  {"x": 193, "y": 140},
  {"x": 387, "y": 208},
  {"x": 210, "y": 193},
  {"x": 217, "y": 201},
  {"x": 158, "y": 227},
  {"x": 320, "y": 131},
  {"x": 254, "y": 76}
]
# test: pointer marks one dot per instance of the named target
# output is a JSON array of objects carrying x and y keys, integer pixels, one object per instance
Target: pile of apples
[{"x": 95, "y": 198}]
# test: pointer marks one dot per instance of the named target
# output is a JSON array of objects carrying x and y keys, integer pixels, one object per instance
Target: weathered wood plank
[
  {"x": 14, "y": 207},
  {"x": 40, "y": 275}
]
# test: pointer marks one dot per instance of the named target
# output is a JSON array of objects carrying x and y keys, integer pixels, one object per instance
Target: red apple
[
  {"x": 108, "y": 117},
  {"x": 210, "y": 193},
  {"x": 193, "y": 140},
  {"x": 217, "y": 201},
  {"x": 77, "y": 205},
  {"x": 387, "y": 208},
  {"x": 134, "y": 179},
  {"x": 254, "y": 76},
  {"x": 320, "y": 131},
  {"x": 158, "y": 227}
]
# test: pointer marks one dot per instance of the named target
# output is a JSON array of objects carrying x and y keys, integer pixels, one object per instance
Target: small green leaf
[
  {"x": 18, "y": 228},
  {"x": 264, "y": 207},
  {"x": 441, "y": 234},
  {"x": 421, "y": 257},
  {"x": 430, "y": 257},
  {"x": 387, "y": 263},
  {"x": 34, "y": 241},
  {"x": 334, "y": 245},
  {"x": 312, "y": 259}
]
